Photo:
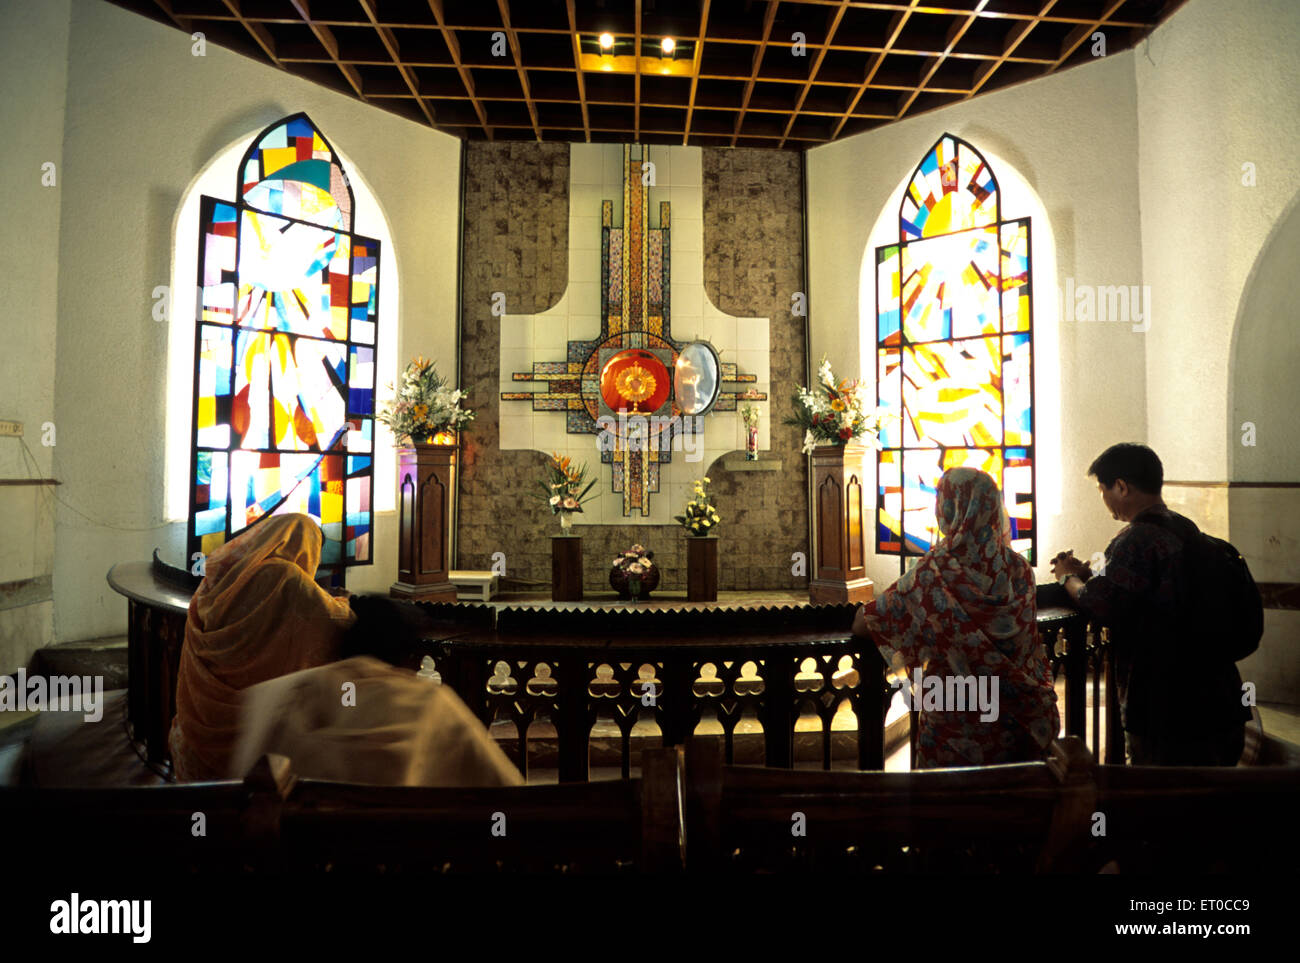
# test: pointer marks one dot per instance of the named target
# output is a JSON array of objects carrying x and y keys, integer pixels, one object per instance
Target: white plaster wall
[
  {"x": 33, "y": 76},
  {"x": 1072, "y": 138},
  {"x": 595, "y": 174},
  {"x": 1265, "y": 528},
  {"x": 1219, "y": 89},
  {"x": 1263, "y": 390},
  {"x": 143, "y": 118}
]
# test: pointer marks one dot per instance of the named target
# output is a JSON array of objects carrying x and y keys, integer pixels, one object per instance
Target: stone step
[{"x": 101, "y": 657}]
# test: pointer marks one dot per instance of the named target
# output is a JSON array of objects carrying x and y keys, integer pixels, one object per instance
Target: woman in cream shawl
[
  {"x": 257, "y": 615},
  {"x": 968, "y": 607},
  {"x": 259, "y": 675}
]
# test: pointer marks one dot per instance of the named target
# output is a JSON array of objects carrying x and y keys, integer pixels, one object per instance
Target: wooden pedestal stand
[
  {"x": 839, "y": 573},
  {"x": 566, "y": 568},
  {"x": 426, "y": 482},
  {"x": 701, "y": 568}
]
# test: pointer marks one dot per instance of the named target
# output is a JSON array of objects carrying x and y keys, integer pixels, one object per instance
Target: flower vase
[
  {"x": 566, "y": 522},
  {"x": 751, "y": 443},
  {"x": 621, "y": 582},
  {"x": 634, "y": 587}
]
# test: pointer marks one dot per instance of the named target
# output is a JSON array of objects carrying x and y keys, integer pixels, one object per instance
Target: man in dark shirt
[{"x": 1180, "y": 695}]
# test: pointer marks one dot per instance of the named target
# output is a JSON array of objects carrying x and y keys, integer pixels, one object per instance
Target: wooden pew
[
  {"x": 1017, "y": 818},
  {"x": 687, "y": 811},
  {"x": 588, "y": 828},
  {"x": 272, "y": 822},
  {"x": 198, "y": 828},
  {"x": 1193, "y": 819}
]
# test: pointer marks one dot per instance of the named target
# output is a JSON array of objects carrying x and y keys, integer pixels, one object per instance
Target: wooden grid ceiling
[{"x": 508, "y": 70}]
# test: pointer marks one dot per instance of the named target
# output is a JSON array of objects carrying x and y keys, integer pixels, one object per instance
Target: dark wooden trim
[
  {"x": 1280, "y": 595},
  {"x": 1229, "y": 484},
  {"x": 26, "y": 591},
  {"x": 30, "y": 481}
]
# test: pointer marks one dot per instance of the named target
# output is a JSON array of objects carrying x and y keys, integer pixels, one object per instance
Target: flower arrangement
[
  {"x": 562, "y": 488},
  {"x": 426, "y": 406},
  {"x": 837, "y": 412},
  {"x": 635, "y": 561},
  {"x": 700, "y": 514},
  {"x": 749, "y": 415},
  {"x": 634, "y": 572}
]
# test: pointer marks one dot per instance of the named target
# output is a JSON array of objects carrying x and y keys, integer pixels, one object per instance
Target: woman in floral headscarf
[
  {"x": 257, "y": 615},
  {"x": 968, "y": 608}
]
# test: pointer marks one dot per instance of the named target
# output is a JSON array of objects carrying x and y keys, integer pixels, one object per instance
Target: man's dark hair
[
  {"x": 1136, "y": 464},
  {"x": 385, "y": 629}
]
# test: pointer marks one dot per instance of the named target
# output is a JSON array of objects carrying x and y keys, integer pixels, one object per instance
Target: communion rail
[
  {"x": 575, "y": 665},
  {"x": 681, "y": 667}
]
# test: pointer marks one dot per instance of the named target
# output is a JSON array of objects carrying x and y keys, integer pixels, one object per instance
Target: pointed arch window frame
[
  {"x": 894, "y": 507},
  {"x": 349, "y": 452}
]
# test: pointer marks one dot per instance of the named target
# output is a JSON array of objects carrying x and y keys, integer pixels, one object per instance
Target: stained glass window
[
  {"x": 954, "y": 350},
  {"x": 285, "y": 350}
]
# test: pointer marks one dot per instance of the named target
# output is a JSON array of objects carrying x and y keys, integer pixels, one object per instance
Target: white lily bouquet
[{"x": 837, "y": 411}]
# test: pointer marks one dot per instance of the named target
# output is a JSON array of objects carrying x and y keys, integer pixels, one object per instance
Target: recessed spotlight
[
  {"x": 606, "y": 41},
  {"x": 668, "y": 45}
]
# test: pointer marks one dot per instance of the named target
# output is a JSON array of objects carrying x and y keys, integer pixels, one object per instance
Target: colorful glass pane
[
  {"x": 889, "y": 504},
  {"x": 1018, "y": 492},
  {"x": 361, "y": 382},
  {"x": 951, "y": 393},
  {"x": 217, "y": 261},
  {"x": 889, "y": 388},
  {"x": 288, "y": 391},
  {"x": 363, "y": 299},
  {"x": 954, "y": 350},
  {"x": 887, "y": 296},
  {"x": 292, "y": 277},
  {"x": 211, "y": 493},
  {"x": 282, "y": 394},
  {"x": 291, "y": 171},
  {"x": 952, "y": 189},
  {"x": 1015, "y": 276},
  {"x": 213, "y": 402},
  {"x": 950, "y": 287},
  {"x": 361, "y": 435},
  {"x": 1017, "y": 391}
]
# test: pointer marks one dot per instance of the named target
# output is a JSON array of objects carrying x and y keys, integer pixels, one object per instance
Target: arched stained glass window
[
  {"x": 954, "y": 341},
  {"x": 284, "y": 369}
]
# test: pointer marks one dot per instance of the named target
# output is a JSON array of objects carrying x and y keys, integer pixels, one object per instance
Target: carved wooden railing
[
  {"x": 1080, "y": 650},
  {"x": 676, "y": 667},
  {"x": 679, "y": 667}
]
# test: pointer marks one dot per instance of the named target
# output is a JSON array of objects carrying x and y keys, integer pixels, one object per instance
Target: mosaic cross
[{"x": 619, "y": 385}]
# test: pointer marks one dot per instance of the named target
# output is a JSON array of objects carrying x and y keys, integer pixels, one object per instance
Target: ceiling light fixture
[
  {"x": 606, "y": 41},
  {"x": 668, "y": 45}
]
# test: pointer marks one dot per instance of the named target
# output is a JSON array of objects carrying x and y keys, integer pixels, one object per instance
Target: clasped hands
[{"x": 1064, "y": 563}]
